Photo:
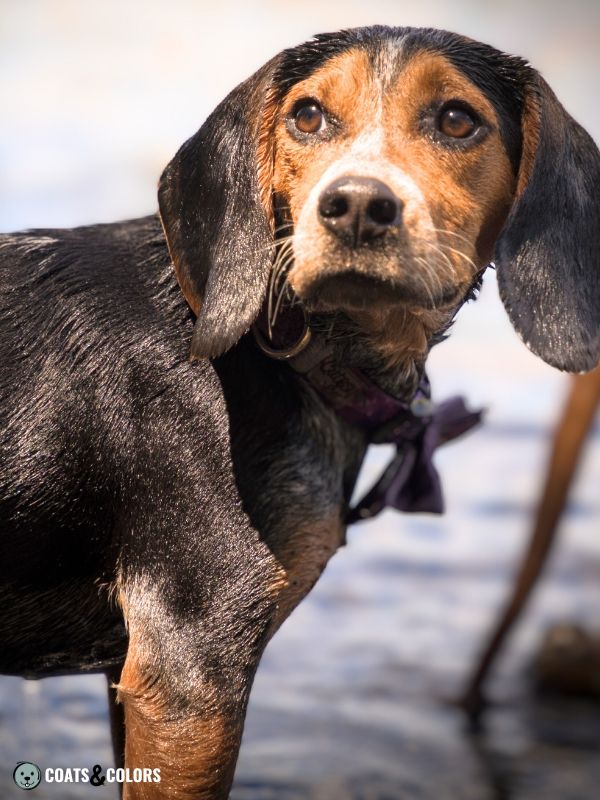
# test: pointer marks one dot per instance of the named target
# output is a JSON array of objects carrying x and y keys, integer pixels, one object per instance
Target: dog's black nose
[{"x": 359, "y": 209}]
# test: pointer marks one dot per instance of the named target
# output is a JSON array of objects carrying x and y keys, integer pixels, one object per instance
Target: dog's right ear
[
  {"x": 215, "y": 206},
  {"x": 548, "y": 254}
]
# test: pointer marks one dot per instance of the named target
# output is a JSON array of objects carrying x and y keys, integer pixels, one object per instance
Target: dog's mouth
[{"x": 354, "y": 291}]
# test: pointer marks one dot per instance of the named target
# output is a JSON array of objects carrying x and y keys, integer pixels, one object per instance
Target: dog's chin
[{"x": 352, "y": 291}]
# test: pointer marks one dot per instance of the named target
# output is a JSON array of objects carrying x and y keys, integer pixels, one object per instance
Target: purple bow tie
[{"x": 410, "y": 482}]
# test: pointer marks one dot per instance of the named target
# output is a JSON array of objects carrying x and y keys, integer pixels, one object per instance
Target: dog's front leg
[
  {"x": 190, "y": 743},
  {"x": 185, "y": 687}
]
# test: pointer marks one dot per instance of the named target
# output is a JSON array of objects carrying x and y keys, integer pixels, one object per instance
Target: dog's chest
[{"x": 295, "y": 464}]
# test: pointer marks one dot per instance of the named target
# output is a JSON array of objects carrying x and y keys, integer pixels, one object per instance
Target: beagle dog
[{"x": 162, "y": 515}]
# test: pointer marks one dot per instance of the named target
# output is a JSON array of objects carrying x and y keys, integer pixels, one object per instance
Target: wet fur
[{"x": 166, "y": 515}]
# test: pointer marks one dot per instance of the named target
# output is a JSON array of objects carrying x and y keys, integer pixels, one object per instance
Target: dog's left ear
[
  {"x": 548, "y": 254},
  {"x": 215, "y": 206}
]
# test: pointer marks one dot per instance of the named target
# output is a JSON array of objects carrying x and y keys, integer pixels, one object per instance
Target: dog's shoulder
[
  {"x": 91, "y": 263},
  {"x": 70, "y": 295},
  {"x": 94, "y": 357}
]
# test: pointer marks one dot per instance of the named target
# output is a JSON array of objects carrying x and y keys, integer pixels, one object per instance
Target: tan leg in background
[{"x": 569, "y": 439}]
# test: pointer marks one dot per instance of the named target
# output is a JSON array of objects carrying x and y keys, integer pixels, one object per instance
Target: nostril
[
  {"x": 382, "y": 210},
  {"x": 357, "y": 209},
  {"x": 333, "y": 205}
]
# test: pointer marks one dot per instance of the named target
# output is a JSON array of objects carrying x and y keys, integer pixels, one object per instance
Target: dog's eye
[
  {"x": 456, "y": 123},
  {"x": 309, "y": 118}
]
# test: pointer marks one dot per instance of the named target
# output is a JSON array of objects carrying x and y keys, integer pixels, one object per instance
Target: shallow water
[{"x": 350, "y": 699}]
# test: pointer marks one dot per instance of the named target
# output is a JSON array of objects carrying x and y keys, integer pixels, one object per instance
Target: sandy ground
[{"x": 348, "y": 700}]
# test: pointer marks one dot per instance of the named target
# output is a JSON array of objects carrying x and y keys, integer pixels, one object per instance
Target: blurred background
[{"x": 349, "y": 701}]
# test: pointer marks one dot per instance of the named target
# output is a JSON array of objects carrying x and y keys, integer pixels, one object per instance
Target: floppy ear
[
  {"x": 214, "y": 200},
  {"x": 548, "y": 254}
]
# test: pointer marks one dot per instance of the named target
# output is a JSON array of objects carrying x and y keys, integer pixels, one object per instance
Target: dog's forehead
[
  {"x": 388, "y": 49},
  {"x": 382, "y": 53},
  {"x": 356, "y": 79}
]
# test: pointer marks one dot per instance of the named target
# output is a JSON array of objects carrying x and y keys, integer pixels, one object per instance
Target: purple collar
[{"x": 410, "y": 482}]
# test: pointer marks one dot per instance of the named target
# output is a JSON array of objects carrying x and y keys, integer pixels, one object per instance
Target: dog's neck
[
  {"x": 391, "y": 346},
  {"x": 388, "y": 405},
  {"x": 388, "y": 346},
  {"x": 348, "y": 365},
  {"x": 390, "y": 352}
]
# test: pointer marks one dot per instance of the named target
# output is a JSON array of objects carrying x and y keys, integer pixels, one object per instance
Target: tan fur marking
[
  {"x": 531, "y": 133},
  {"x": 194, "y": 753},
  {"x": 185, "y": 284},
  {"x": 303, "y": 557},
  {"x": 265, "y": 155},
  {"x": 344, "y": 87},
  {"x": 401, "y": 334},
  {"x": 462, "y": 188}
]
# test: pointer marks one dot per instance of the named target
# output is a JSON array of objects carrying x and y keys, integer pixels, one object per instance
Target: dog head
[{"x": 381, "y": 169}]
